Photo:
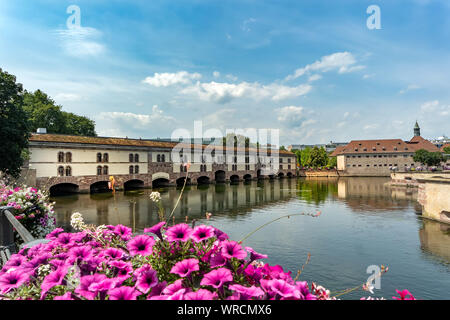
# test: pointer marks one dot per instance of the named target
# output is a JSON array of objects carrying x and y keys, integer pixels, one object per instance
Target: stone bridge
[{"x": 159, "y": 175}]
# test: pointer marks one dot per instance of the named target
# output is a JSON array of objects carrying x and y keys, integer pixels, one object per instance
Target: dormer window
[
  {"x": 406, "y": 148},
  {"x": 365, "y": 149},
  {"x": 374, "y": 149},
  {"x": 395, "y": 148},
  {"x": 356, "y": 149},
  {"x": 384, "y": 149}
]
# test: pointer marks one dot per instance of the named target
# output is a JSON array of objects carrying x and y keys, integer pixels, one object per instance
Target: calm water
[{"x": 363, "y": 223}]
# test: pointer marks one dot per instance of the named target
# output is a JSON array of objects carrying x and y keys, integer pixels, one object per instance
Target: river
[{"x": 363, "y": 222}]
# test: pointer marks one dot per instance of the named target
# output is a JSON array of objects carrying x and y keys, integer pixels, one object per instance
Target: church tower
[{"x": 416, "y": 130}]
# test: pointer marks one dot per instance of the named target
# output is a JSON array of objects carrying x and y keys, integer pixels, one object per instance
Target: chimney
[{"x": 41, "y": 130}]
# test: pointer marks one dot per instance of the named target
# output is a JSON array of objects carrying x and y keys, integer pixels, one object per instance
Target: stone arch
[
  {"x": 281, "y": 175},
  {"x": 180, "y": 181},
  {"x": 63, "y": 189},
  {"x": 160, "y": 183},
  {"x": 133, "y": 184},
  {"x": 247, "y": 177},
  {"x": 99, "y": 186},
  {"x": 220, "y": 176},
  {"x": 234, "y": 178},
  {"x": 290, "y": 175},
  {"x": 203, "y": 180},
  {"x": 160, "y": 175}
]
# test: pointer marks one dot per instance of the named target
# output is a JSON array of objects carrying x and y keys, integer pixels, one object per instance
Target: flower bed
[
  {"x": 180, "y": 262},
  {"x": 31, "y": 208}
]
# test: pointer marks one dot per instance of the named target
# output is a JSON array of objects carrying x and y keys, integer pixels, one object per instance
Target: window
[
  {"x": 289, "y": 160},
  {"x": 61, "y": 171},
  {"x": 289, "y": 166},
  {"x": 183, "y": 168},
  {"x": 158, "y": 158},
  {"x": 136, "y": 158},
  {"x": 281, "y": 167},
  {"x": 68, "y": 171},
  {"x": 105, "y": 170},
  {"x": 69, "y": 157},
  {"x": 60, "y": 156},
  {"x": 99, "y": 170},
  {"x": 281, "y": 160},
  {"x": 99, "y": 157},
  {"x": 136, "y": 169},
  {"x": 163, "y": 158},
  {"x": 105, "y": 157},
  {"x": 247, "y": 167},
  {"x": 130, "y": 170},
  {"x": 131, "y": 157}
]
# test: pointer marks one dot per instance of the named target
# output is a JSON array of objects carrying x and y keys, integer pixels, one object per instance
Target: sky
[{"x": 312, "y": 69}]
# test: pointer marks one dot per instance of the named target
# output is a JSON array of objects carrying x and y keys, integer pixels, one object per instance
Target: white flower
[
  {"x": 76, "y": 221},
  {"x": 155, "y": 196}
]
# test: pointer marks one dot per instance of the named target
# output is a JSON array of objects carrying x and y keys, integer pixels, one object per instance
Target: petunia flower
[
  {"x": 142, "y": 245},
  {"x": 124, "y": 232},
  {"x": 53, "y": 279},
  {"x": 232, "y": 249},
  {"x": 179, "y": 232},
  {"x": 404, "y": 295},
  {"x": 147, "y": 278},
  {"x": 87, "y": 288},
  {"x": 13, "y": 280},
  {"x": 123, "y": 293},
  {"x": 255, "y": 255},
  {"x": 172, "y": 288},
  {"x": 201, "y": 233},
  {"x": 156, "y": 229},
  {"x": 186, "y": 267},
  {"x": 284, "y": 289},
  {"x": 200, "y": 294},
  {"x": 66, "y": 296},
  {"x": 247, "y": 292},
  {"x": 217, "y": 278}
]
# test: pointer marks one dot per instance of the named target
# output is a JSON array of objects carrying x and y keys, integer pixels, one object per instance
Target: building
[
  {"x": 85, "y": 164},
  {"x": 329, "y": 147},
  {"x": 380, "y": 157}
]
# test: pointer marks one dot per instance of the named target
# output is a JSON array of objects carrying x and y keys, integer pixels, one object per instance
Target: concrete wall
[{"x": 434, "y": 196}]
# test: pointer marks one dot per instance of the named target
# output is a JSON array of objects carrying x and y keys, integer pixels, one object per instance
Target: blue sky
[{"x": 309, "y": 68}]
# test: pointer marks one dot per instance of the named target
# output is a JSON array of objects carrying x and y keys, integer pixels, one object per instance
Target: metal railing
[{"x": 8, "y": 223}]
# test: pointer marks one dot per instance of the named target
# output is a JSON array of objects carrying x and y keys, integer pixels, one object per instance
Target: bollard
[{"x": 6, "y": 231}]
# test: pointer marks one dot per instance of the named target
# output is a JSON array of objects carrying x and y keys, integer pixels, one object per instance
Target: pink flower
[
  {"x": 123, "y": 293},
  {"x": 123, "y": 231},
  {"x": 156, "y": 229},
  {"x": 201, "y": 233},
  {"x": 404, "y": 295},
  {"x": 185, "y": 267},
  {"x": 179, "y": 232},
  {"x": 66, "y": 296},
  {"x": 142, "y": 245},
  {"x": 255, "y": 255},
  {"x": 55, "y": 278},
  {"x": 146, "y": 279},
  {"x": 172, "y": 288},
  {"x": 232, "y": 249},
  {"x": 200, "y": 294},
  {"x": 247, "y": 292},
  {"x": 217, "y": 278},
  {"x": 13, "y": 280}
]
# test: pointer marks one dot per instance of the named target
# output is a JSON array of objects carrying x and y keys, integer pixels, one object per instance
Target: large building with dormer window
[
  {"x": 380, "y": 157},
  {"x": 86, "y": 164}
]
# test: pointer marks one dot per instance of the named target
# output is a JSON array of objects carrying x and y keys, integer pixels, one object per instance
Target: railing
[{"x": 8, "y": 223}]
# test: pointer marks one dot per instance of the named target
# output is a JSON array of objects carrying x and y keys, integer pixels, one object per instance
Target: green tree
[
  {"x": 429, "y": 158},
  {"x": 14, "y": 125},
  {"x": 421, "y": 156},
  {"x": 283, "y": 148},
  {"x": 319, "y": 157},
  {"x": 305, "y": 157},
  {"x": 44, "y": 113},
  {"x": 332, "y": 162}
]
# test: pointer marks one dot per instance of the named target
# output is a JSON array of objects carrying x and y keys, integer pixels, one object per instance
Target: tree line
[
  {"x": 22, "y": 112},
  {"x": 315, "y": 157}
]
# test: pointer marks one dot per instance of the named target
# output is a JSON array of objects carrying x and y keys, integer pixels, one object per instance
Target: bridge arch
[
  {"x": 290, "y": 175},
  {"x": 234, "y": 178},
  {"x": 160, "y": 183},
  {"x": 160, "y": 175},
  {"x": 63, "y": 189},
  {"x": 99, "y": 186},
  {"x": 259, "y": 175},
  {"x": 247, "y": 177},
  {"x": 281, "y": 175},
  {"x": 220, "y": 176},
  {"x": 133, "y": 184},
  {"x": 180, "y": 181},
  {"x": 202, "y": 180}
]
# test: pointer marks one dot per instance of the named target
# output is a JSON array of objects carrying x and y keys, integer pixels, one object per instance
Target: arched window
[
  {"x": 61, "y": 171},
  {"x": 131, "y": 157},
  {"x": 105, "y": 157},
  {"x": 131, "y": 170},
  {"x": 136, "y": 169},
  {"x": 105, "y": 170},
  {"x": 68, "y": 156},
  {"x": 99, "y": 170},
  {"x": 158, "y": 158},
  {"x": 136, "y": 158},
  {"x": 99, "y": 157},
  {"x": 60, "y": 156},
  {"x": 183, "y": 168},
  {"x": 68, "y": 171},
  {"x": 163, "y": 158}
]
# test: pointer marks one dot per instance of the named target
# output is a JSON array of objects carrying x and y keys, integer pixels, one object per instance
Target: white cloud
[
  {"x": 216, "y": 74},
  {"x": 371, "y": 126},
  {"x": 367, "y": 76},
  {"x": 290, "y": 113},
  {"x": 66, "y": 97},
  {"x": 409, "y": 88},
  {"x": 435, "y": 108},
  {"x": 231, "y": 77},
  {"x": 223, "y": 92},
  {"x": 246, "y": 24},
  {"x": 168, "y": 79},
  {"x": 343, "y": 62},
  {"x": 81, "y": 41},
  {"x": 429, "y": 106},
  {"x": 314, "y": 77}
]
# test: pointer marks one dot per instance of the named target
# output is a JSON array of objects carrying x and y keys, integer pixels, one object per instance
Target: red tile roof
[
  {"x": 385, "y": 146},
  {"x": 61, "y": 138}
]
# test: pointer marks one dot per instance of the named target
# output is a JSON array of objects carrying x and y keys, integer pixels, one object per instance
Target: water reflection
[{"x": 435, "y": 239}]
